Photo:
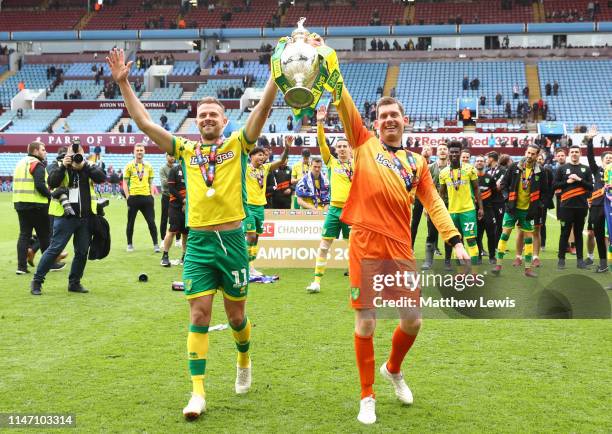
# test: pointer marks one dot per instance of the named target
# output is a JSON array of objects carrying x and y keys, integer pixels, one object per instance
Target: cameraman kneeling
[{"x": 73, "y": 178}]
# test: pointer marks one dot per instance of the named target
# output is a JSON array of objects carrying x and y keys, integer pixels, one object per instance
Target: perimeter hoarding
[
  {"x": 309, "y": 139},
  {"x": 291, "y": 239}
]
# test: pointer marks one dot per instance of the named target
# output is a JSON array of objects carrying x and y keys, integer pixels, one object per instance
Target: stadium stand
[
  {"x": 477, "y": 11},
  {"x": 31, "y": 120},
  {"x": 212, "y": 87},
  {"x": 258, "y": 15},
  {"x": 33, "y": 76},
  {"x": 429, "y": 90},
  {"x": 345, "y": 14},
  {"x": 39, "y": 19},
  {"x": 130, "y": 15},
  {"x": 14, "y": 4},
  {"x": 83, "y": 69},
  {"x": 363, "y": 81},
  {"x": 175, "y": 119},
  {"x": 92, "y": 121},
  {"x": 257, "y": 70},
  {"x": 576, "y": 10},
  {"x": 584, "y": 92},
  {"x": 89, "y": 90},
  {"x": 184, "y": 67},
  {"x": 172, "y": 92}
]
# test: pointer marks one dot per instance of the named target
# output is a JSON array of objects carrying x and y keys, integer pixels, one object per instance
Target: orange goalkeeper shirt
[{"x": 378, "y": 200}]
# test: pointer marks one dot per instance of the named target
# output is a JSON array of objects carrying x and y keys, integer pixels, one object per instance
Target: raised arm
[
  {"x": 120, "y": 72},
  {"x": 325, "y": 152},
  {"x": 258, "y": 116},
  {"x": 356, "y": 133},
  {"x": 284, "y": 156}
]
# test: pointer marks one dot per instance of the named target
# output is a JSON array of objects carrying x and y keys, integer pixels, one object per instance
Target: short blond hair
[{"x": 211, "y": 100}]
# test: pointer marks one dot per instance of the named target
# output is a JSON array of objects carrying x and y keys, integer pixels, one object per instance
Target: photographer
[
  {"x": 31, "y": 201},
  {"x": 72, "y": 206}
]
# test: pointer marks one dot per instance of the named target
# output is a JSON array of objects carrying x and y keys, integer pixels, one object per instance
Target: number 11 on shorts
[{"x": 236, "y": 275}]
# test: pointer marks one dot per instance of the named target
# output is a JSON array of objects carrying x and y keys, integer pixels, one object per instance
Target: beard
[{"x": 209, "y": 136}]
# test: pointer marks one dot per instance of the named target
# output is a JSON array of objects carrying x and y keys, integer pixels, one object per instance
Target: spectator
[
  {"x": 393, "y": 92},
  {"x": 526, "y": 92},
  {"x": 386, "y": 46},
  {"x": 373, "y": 45},
  {"x": 498, "y": 98},
  {"x": 289, "y": 123},
  {"x": 556, "y": 88},
  {"x": 410, "y": 44},
  {"x": 21, "y": 85},
  {"x": 272, "y": 127},
  {"x": 508, "y": 110},
  {"x": 483, "y": 100},
  {"x": 466, "y": 83},
  {"x": 515, "y": 91},
  {"x": 466, "y": 114},
  {"x": 548, "y": 88}
]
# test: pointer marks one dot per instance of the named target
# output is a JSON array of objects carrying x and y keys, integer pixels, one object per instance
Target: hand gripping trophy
[{"x": 302, "y": 67}]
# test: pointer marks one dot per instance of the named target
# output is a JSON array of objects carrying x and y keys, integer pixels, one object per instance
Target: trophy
[{"x": 299, "y": 68}]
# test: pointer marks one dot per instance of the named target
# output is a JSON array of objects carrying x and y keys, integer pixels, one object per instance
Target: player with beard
[
  {"x": 459, "y": 182},
  {"x": 216, "y": 258},
  {"x": 523, "y": 184}
]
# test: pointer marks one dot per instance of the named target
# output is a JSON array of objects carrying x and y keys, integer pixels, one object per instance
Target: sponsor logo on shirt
[
  {"x": 380, "y": 159},
  {"x": 224, "y": 156}
]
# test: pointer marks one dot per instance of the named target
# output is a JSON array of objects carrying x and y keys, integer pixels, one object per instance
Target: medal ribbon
[
  {"x": 348, "y": 169},
  {"x": 139, "y": 173},
  {"x": 456, "y": 182},
  {"x": 406, "y": 176},
  {"x": 208, "y": 173},
  {"x": 525, "y": 181},
  {"x": 259, "y": 175}
]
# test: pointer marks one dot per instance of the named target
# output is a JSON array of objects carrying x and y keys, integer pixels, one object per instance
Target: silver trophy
[{"x": 300, "y": 66}]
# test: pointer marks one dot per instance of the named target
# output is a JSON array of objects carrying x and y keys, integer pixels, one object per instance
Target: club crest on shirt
[{"x": 221, "y": 157}]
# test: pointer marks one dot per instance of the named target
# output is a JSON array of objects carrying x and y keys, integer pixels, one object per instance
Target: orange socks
[
  {"x": 400, "y": 344},
  {"x": 364, "y": 350}
]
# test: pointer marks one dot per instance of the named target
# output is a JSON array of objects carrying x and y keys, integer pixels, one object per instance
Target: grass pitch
[{"x": 116, "y": 357}]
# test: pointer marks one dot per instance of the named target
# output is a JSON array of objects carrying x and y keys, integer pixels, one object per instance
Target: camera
[
  {"x": 100, "y": 204},
  {"x": 76, "y": 158},
  {"x": 61, "y": 194}
]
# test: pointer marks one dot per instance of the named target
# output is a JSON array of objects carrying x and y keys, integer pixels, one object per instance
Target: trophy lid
[{"x": 300, "y": 31}]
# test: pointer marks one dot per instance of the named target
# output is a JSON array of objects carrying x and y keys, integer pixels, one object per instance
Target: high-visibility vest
[
  {"x": 55, "y": 207},
  {"x": 23, "y": 183}
]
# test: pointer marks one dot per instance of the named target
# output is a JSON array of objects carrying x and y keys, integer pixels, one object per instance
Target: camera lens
[{"x": 77, "y": 158}]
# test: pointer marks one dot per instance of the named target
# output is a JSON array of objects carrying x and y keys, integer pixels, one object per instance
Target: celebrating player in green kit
[
  {"x": 341, "y": 177},
  {"x": 216, "y": 257}
]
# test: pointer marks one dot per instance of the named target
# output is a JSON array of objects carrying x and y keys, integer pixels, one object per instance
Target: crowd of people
[{"x": 376, "y": 189}]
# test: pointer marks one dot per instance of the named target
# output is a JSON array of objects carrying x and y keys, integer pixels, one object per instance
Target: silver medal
[{"x": 210, "y": 192}]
